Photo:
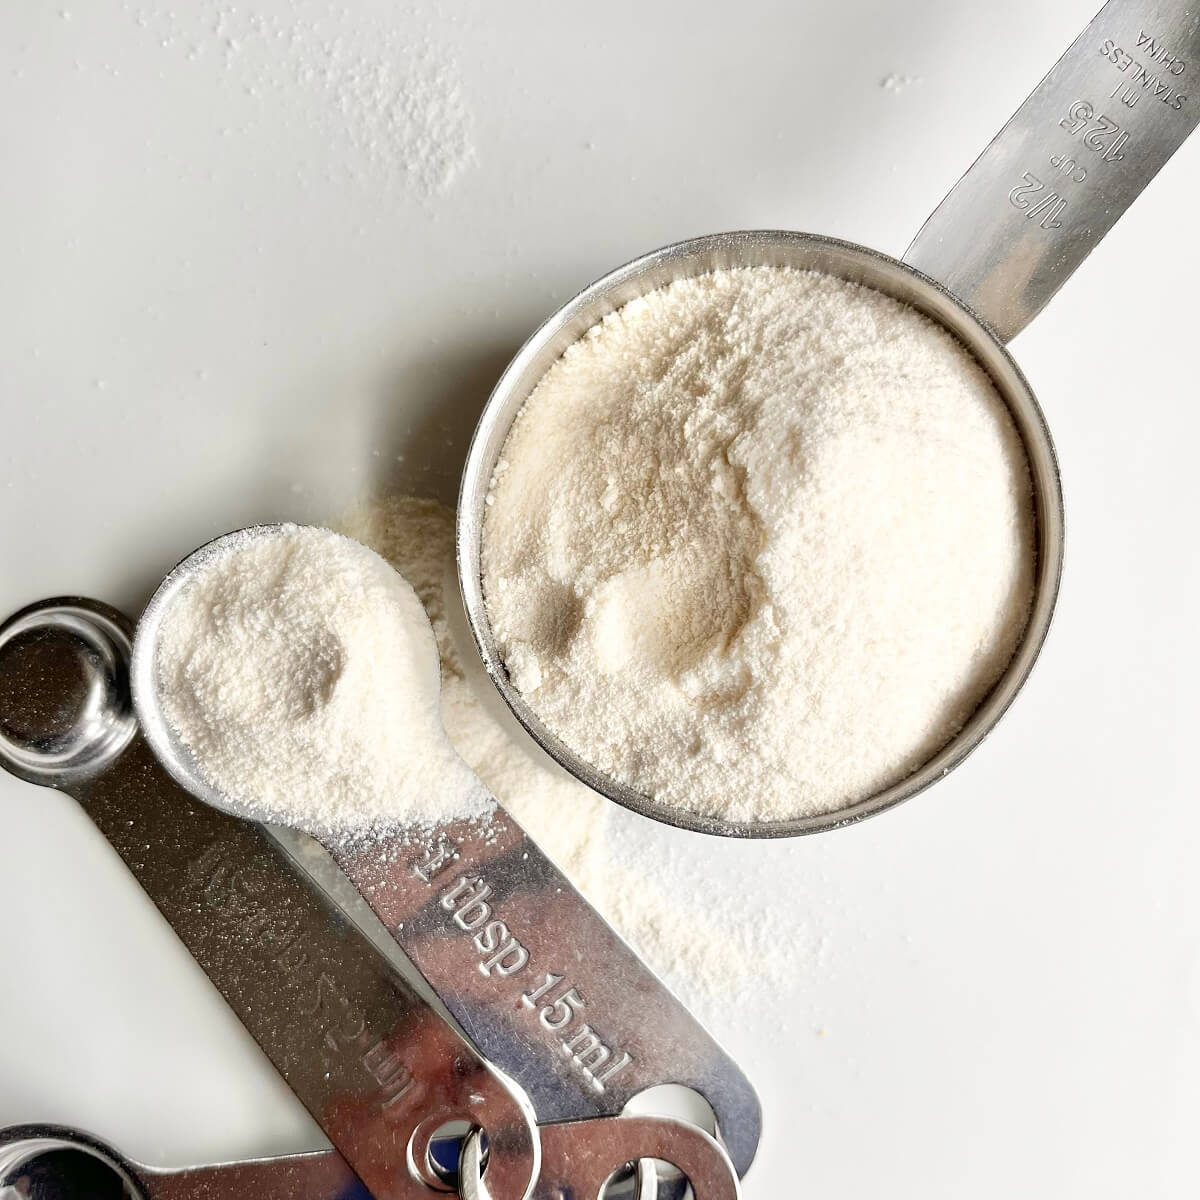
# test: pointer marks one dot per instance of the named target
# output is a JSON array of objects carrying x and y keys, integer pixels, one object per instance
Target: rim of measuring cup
[
  {"x": 748, "y": 248},
  {"x": 174, "y": 756}
]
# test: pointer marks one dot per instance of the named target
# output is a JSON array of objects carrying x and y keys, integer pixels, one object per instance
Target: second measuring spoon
[
  {"x": 53, "y": 1162},
  {"x": 537, "y": 979},
  {"x": 371, "y": 1059}
]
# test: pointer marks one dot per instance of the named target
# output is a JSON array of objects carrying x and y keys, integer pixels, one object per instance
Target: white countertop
[{"x": 225, "y": 299}]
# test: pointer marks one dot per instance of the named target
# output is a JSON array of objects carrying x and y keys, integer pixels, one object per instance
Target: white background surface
[{"x": 219, "y": 298}]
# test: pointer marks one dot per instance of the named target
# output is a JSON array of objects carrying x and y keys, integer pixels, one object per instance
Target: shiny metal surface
[
  {"x": 53, "y": 1162},
  {"x": 486, "y": 919},
  {"x": 538, "y": 979},
  {"x": 1071, "y": 160},
  {"x": 579, "y": 1157},
  {"x": 756, "y": 249},
  {"x": 376, "y": 1066},
  {"x": 82, "y": 720}
]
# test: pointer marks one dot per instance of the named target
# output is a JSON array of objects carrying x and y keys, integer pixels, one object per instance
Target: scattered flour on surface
[
  {"x": 386, "y": 93},
  {"x": 299, "y": 671},
  {"x": 759, "y": 543},
  {"x": 695, "y": 932}
]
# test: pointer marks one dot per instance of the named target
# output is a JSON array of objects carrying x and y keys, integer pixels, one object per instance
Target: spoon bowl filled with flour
[{"x": 288, "y": 674}]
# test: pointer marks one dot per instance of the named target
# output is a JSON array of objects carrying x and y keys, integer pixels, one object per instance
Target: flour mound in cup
[{"x": 759, "y": 543}]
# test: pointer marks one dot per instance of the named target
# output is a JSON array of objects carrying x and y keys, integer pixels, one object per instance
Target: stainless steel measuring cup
[{"x": 1049, "y": 186}]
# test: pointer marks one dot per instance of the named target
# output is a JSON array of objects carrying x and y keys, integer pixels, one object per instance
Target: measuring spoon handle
[
  {"x": 322, "y": 1175},
  {"x": 539, "y": 981},
  {"x": 1070, "y": 161},
  {"x": 49, "y": 1162}
]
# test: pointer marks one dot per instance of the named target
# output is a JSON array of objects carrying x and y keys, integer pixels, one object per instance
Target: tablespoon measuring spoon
[{"x": 540, "y": 983}]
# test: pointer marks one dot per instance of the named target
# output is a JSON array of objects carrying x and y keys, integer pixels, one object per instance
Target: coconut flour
[
  {"x": 300, "y": 672},
  {"x": 759, "y": 543}
]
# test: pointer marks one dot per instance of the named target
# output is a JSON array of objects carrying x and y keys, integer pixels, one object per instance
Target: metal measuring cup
[{"x": 1049, "y": 186}]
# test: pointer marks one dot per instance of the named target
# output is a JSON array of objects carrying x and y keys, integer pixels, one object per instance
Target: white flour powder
[
  {"x": 759, "y": 543},
  {"x": 387, "y": 99},
  {"x": 696, "y": 932},
  {"x": 300, "y": 671}
]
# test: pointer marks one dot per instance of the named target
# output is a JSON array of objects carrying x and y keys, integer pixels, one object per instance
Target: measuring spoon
[
  {"x": 539, "y": 982},
  {"x": 377, "y": 1067},
  {"x": 1076, "y": 154},
  {"x": 54, "y": 1162}
]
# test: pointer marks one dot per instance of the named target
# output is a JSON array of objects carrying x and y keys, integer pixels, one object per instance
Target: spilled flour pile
[
  {"x": 759, "y": 543},
  {"x": 697, "y": 934}
]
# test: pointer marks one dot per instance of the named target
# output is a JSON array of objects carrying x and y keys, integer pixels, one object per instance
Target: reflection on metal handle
[
  {"x": 53, "y": 1162},
  {"x": 1071, "y": 160},
  {"x": 40, "y": 1162},
  {"x": 579, "y": 1157},
  {"x": 376, "y": 1066},
  {"x": 539, "y": 981},
  {"x": 322, "y": 1175},
  {"x": 370, "y": 1059}
]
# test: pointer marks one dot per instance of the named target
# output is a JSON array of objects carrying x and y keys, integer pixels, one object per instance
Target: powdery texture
[
  {"x": 759, "y": 543},
  {"x": 700, "y": 937},
  {"x": 389, "y": 99},
  {"x": 299, "y": 670}
]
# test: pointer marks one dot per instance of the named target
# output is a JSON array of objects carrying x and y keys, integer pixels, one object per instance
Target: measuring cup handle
[{"x": 1071, "y": 160}]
